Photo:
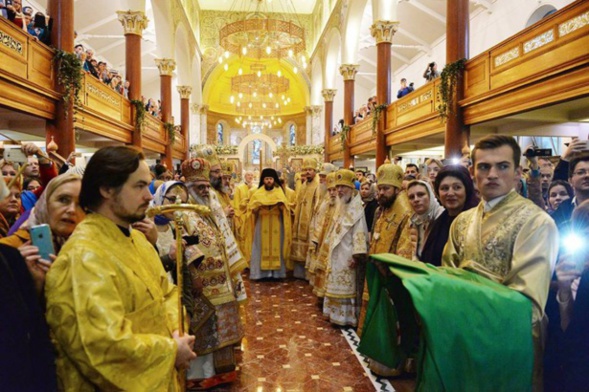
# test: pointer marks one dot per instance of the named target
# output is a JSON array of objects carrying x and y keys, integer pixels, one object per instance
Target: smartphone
[
  {"x": 15, "y": 155},
  {"x": 42, "y": 239}
]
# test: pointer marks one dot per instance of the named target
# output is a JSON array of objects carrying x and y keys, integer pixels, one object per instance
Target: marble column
[
  {"x": 134, "y": 22},
  {"x": 203, "y": 124},
  {"x": 194, "y": 125},
  {"x": 62, "y": 37},
  {"x": 348, "y": 71},
  {"x": 316, "y": 124},
  {"x": 166, "y": 67},
  {"x": 383, "y": 31},
  {"x": 185, "y": 92},
  {"x": 457, "y": 134},
  {"x": 309, "y": 125},
  {"x": 328, "y": 95}
]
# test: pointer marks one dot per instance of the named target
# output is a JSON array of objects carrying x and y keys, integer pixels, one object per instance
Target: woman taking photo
[
  {"x": 455, "y": 189},
  {"x": 57, "y": 207},
  {"x": 426, "y": 210}
]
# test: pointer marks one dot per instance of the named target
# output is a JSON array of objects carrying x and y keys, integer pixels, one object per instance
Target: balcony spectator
[
  {"x": 103, "y": 75},
  {"x": 15, "y": 13},
  {"x": 404, "y": 90},
  {"x": 3, "y": 10},
  {"x": 38, "y": 28},
  {"x": 126, "y": 89},
  {"x": 90, "y": 64},
  {"x": 431, "y": 72},
  {"x": 80, "y": 53}
]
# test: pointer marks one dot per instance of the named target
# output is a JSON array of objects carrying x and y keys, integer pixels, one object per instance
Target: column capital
[
  {"x": 166, "y": 66},
  {"x": 199, "y": 108},
  {"x": 328, "y": 94},
  {"x": 313, "y": 110},
  {"x": 184, "y": 91},
  {"x": 134, "y": 22},
  {"x": 383, "y": 30},
  {"x": 348, "y": 71}
]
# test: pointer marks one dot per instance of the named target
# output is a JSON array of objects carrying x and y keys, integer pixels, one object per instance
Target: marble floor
[{"x": 289, "y": 346}]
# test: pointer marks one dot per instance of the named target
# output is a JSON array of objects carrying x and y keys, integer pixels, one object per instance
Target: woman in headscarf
[
  {"x": 426, "y": 210},
  {"x": 10, "y": 206},
  {"x": 368, "y": 194},
  {"x": 456, "y": 192},
  {"x": 57, "y": 207}
]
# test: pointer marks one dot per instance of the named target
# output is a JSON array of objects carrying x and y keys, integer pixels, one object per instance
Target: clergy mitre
[
  {"x": 310, "y": 163},
  {"x": 208, "y": 152},
  {"x": 196, "y": 169},
  {"x": 345, "y": 177},
  {"x": 389, "y": 174}
]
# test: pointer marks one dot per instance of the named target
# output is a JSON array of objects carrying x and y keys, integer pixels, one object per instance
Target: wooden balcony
[
  {"x": 26, "y": 73},
  {"x": 544, "y": 64}
]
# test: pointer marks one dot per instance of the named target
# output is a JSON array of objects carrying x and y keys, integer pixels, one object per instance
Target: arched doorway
[{"x": 267, "y": 147}]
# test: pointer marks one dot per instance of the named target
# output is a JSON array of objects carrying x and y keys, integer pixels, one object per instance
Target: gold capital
[
  {"x": 166, "y": 66},
  {"x": 184, "y": 91},
  {"x": 348, "y": 71},
  {"x": 328, "y": 94},
  {"x": 313, "y": 110},
  {"x": 134, "y": 22},
  {"x": 383, "y": 30}
]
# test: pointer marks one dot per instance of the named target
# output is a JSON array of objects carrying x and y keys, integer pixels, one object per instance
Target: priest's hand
[
  {"x": 147, "y": 227},
  {"x": 184, "y": 354}
]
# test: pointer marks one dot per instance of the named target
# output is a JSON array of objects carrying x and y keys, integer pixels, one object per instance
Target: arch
[
  {"x": 540, "y": 14},
  {"x": 163, "y": 21},
  {"x": 316, "y": 81},
  {"x": 332, "y": 58},
  {"x": 182, "y": 55},
  {"x": 250, "y": 138},
  {"x": 226, "y": 132},
  {"x": 352, "y": 26}
]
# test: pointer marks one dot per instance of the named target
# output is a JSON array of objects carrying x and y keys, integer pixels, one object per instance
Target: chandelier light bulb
[
  {"x": 290, "y": 53},
  {"x": 282, "y": 97},
  {"x": 259, "y": 74},
  {"x": 244, "y": 50},
  {"x": 255, "y": 94},
  {"x": 268, "y": 50},
  {"x": 279, "y": 120},
  {"x": 238, "y": 104},
  {"x": 220, "y": 59},
  {"x": 295, "y": 70},
  {"x": 239, "y": 71},
  {"x": 250, "y": 105},
  {"x": 226, "y": 54},
  {"x": 226, "y": 67},
  {"x": 279, "y": 73},
  {"x": 240, "y": 95},
  {"x": 231, "y": 99},
  {"x": 264, "y": 105},
  {"x": 270, "y": 94}
]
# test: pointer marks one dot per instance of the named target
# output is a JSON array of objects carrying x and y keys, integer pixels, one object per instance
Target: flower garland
[
  {"x": 376, "y": 116},
  {"x": 170, "y": 130},
  {"x": 448, "y": 80},
  {"x": 69, "y": 76},
  {"x": 140, "y": 112},
  {"x": 344, "y": 135}
]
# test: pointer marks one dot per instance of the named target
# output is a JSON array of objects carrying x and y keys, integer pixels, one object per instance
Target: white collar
[{"x": 489, "y": 205}]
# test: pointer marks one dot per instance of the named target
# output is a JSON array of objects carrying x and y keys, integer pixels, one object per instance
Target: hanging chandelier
[
  {"x": 263, "y": 33},
  {"x": 259, "y": 83}
]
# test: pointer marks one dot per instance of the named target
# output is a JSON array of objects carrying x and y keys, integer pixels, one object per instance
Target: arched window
[
  {"x": 256, "y": 151},
  {"x": 292, "y": 135},
  {"x": 219, "y": 133}
]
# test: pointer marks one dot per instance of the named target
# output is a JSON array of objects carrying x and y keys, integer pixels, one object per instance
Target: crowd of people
[
  {"x": 36, "y": 24},
  {"x": 108, "y": 291},
  {"x": 101, "y": 71}
]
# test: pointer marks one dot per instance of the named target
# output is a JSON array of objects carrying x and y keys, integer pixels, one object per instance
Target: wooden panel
[
  {"x": 179, "y": 147},
  {"x": 19, "y": 97},
  {"x": 428, "y": 127},
  {"x": 361, "y": 131},
  {"x": 476, "y": 75},
  {"x": 101, "y": 98},
  {"x": 40, "y": 66},
  {"x": 154, "y": 130},
  {"x": 152, "y": 145},
  {"x": 13, "y": 49},
  {"x": 95, "y": 122}
]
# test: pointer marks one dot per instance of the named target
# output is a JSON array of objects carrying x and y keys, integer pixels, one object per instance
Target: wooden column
[
  {"x": 383, "y": 31},
  {"x": 134, "y": 22},
  {"x": 328, "y": 95},
  {"x": 457, "y": 35},
  {"x": 185, "y": 92},
  {"x": 166, "y": 67},
  {"x": 348, "y": 71},
  {"x": 62, "y": 37}
]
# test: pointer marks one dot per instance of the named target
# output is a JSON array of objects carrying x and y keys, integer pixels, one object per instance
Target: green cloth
[{"x": 474, "y": 335}]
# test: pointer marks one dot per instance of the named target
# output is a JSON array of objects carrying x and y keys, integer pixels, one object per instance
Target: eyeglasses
[
  {"x": 581, "y": 173},
  {"x": 172, "y": 199}
]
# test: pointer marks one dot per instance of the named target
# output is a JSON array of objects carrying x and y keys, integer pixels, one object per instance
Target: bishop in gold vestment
[
  {"x": 306, "y": 202},
  {"x": 271, "y": 246}
]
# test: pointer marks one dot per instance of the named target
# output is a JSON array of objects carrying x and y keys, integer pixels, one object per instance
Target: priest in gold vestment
[
  {"x": 240, "y": 197},
  {"x": 307, "y": 200},
  {"x": 507, "y": 238},
  {"x": 318, "y": 267},
  {"x": 272, "y": 234},
  {"x": 111, "y": 309}
]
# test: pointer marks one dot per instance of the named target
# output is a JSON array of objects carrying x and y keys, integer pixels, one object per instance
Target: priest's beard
[
  {"x": 386, "y": 202},
  {"x": 216, "y": 182},
  {"x": 268, "y": 188},
  {"x": 341, "y": 205},
  {"x": 203, "y": 201},
  {"x": 226, "y": 189},
  {"x": 332, "y": 200}
]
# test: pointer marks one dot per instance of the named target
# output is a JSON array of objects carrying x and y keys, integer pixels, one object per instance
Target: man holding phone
[{"x": 110, "y": 305}]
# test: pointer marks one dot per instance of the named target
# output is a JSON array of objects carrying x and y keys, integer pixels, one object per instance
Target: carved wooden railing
[
  {"x": 26, "y": 73},
  {"x": 544, "y": 64}
]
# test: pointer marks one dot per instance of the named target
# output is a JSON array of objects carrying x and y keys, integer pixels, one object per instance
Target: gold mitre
[
  {"x": 330, "y": 180},
  {"x": 389, "y": 174},
  {"x": 196, "y": 169},
  {"x": 345, "y": 177},
  {"x": 228, "y": 168},
  {"x": 328, "y": 168},
  {"x": 310, "y": 163},
  {"x": 206, "y": 151}
]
